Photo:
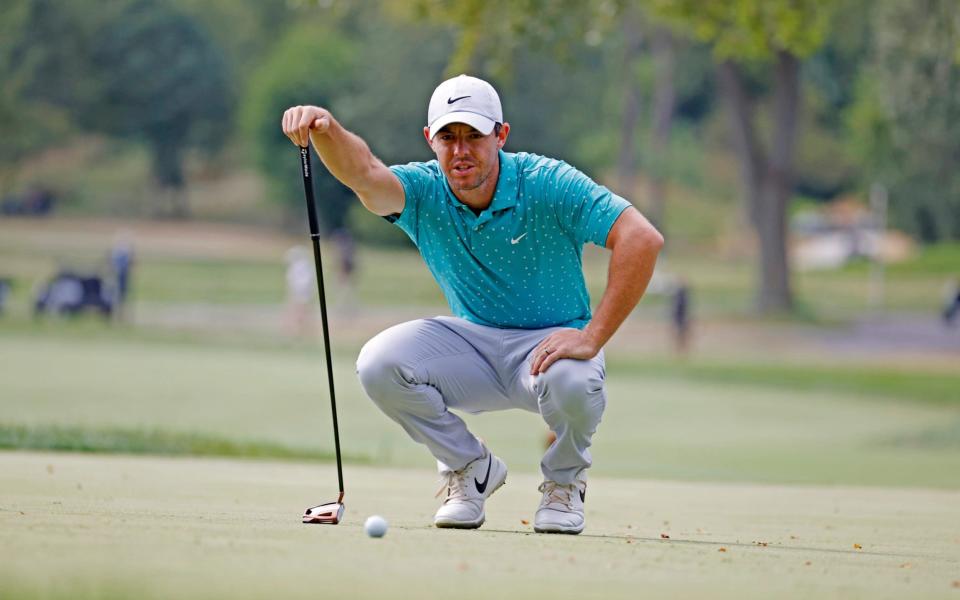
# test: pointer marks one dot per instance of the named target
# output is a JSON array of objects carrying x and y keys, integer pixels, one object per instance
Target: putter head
[{"x": 324, "y": 514}]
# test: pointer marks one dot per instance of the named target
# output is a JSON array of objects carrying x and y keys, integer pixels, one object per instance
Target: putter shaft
[{"x": 315, "y": 238}]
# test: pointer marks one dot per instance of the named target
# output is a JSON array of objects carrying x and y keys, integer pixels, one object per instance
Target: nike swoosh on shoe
[{"x": 482, "y": 487}]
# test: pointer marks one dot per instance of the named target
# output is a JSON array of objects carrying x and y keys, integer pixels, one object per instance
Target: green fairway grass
[
  {"x": 81, "y": 526},
  {"x": 680, "y": 423}
]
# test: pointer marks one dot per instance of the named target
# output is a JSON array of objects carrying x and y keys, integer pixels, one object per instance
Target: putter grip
[{"x": 308, "y": 190}]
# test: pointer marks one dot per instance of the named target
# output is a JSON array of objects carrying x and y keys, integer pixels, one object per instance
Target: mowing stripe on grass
[
  {"x": 940, "y": 389},
  {"x": 152, "y": 441}
]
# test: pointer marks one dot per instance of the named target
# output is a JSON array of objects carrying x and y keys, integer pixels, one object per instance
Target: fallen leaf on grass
[
  {"x": 524, "y": 521},
  {"x": 956, "y": 583},
  {"x": 906, "y": 565},
  {"x": 721, "y": 549},
  {"x": 857, "y": 547},
  {"x": 808, "y": 563},
  {"x": 664, "y": 536},
  {"x": 761, "y": 543}
]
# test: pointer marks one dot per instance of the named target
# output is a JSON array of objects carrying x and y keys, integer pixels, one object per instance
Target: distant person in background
[
  {"x": 951, "y": 304},
  {"x": 5, "y": 286},
  {"x": 121, "y": 265},
  {"x": 301, "y": 291},
  {"x": 680, "y": 317},
  {"x": 346, "y": 248}
]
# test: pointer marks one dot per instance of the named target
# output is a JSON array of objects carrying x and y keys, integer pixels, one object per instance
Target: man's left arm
[{"x": 635, "y": 244}]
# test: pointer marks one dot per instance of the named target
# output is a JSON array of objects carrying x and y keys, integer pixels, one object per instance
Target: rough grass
[
  {"x": 863, "y": 381},
  {"x": 153, "y": 441}
]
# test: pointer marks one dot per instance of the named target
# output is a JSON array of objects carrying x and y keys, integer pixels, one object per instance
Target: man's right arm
[{"x": 347, "y": 157}]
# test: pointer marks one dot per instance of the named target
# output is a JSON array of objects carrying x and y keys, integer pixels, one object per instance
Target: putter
[{"x": 332, "y": 512}]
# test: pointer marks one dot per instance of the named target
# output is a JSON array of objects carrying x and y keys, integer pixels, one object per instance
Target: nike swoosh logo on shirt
[
  {"x": 517, "y": 240},
  {"x": 482, "y": 487},
  {"x": 583, "y": 495},
  {"x": 452, "y": 100}
]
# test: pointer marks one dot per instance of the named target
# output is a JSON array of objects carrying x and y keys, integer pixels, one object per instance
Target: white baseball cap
[{"x": 464, "y": 99}]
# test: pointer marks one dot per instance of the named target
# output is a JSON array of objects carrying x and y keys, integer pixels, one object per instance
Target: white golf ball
[{"x": 375, "y": 526}]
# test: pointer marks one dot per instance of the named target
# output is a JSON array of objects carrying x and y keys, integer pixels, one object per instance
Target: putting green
[{"x": 83, "y": 526}]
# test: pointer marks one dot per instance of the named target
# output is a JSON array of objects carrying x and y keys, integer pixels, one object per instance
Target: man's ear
[
  {"x": 502, "y": 138},
  {"x": 426, "y": 136}
]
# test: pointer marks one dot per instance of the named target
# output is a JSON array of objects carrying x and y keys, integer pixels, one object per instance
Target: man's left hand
[{"x": 565, "y": 343}]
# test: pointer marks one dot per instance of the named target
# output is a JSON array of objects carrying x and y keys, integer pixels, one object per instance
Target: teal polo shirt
[{"x": 518, "y": 264}]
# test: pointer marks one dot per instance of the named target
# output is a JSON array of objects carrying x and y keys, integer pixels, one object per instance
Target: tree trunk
[
  {"x": 627, "y": 159},
  {"x": 664, "y": 106},
  {"x": 167, "y": 167},
  {"x": 775, "y": 294},
  {"x": 768, "y": 181}
]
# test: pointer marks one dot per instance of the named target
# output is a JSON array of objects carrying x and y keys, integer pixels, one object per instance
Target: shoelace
[
  {"x": 554, "y": 493},
  {"x": 453, "y": 484}
]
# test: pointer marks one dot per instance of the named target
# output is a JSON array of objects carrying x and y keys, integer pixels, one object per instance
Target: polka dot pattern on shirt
[{"x": 518, "y": 264}]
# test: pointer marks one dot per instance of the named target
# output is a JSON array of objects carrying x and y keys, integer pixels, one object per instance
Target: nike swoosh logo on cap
[
  {"x": 482, "y": 487},
  {"x": 452, "y": 100}
]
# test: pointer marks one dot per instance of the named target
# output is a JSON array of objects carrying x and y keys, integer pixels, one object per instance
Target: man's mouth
[{"x": 462, "y": 168}]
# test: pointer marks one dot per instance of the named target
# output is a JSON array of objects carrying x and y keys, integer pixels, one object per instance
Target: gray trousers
[{"x": 417, "y": 371}]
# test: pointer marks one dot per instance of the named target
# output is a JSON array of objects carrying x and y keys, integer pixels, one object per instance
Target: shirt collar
[{"x": 505, "y": 194}]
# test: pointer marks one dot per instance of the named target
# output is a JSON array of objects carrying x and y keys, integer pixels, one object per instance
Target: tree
[
  {"x": 906, "y": 121},
  {"x": 137, "y": 69},
  {"x": 29, "y": 119},
  {"x": 312, "y": 64},
  {"x": 747, "y": 35},
  {"x": 570, "y": 31}
]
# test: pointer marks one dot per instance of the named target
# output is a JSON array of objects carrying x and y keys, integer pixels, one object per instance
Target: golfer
[{"x": 502, "y": 234}]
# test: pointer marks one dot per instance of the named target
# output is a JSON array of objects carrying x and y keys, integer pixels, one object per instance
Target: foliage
[
  {"x": 751, "y": 30},
  {"x": 879, "y": 84},
  {"x": 312, "y": 64},
  {"x": 161, "y": 79},
  {"x": 912, "y": 108},
  {"x": 136, "y": 69},
  {"x": 29, "y": 124},
  {"x": 245, "y": 31},
  {"x": 497, "y": 29}
]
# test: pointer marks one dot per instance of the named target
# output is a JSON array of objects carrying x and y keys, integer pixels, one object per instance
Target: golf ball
[{"x": 375, "y": 526}]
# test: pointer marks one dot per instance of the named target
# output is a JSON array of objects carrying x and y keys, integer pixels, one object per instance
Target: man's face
[{"x": 467, "y": 157}]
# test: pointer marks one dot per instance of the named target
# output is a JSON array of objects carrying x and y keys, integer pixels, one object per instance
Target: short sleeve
[
  {"x": 585, "y": 209},
  {"x": 416, "y": 179}
]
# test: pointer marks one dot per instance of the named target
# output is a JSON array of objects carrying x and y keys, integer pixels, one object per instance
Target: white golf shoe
[
  {"x": 466, "y": 490},
  {"x": 561, "y": 509}
]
